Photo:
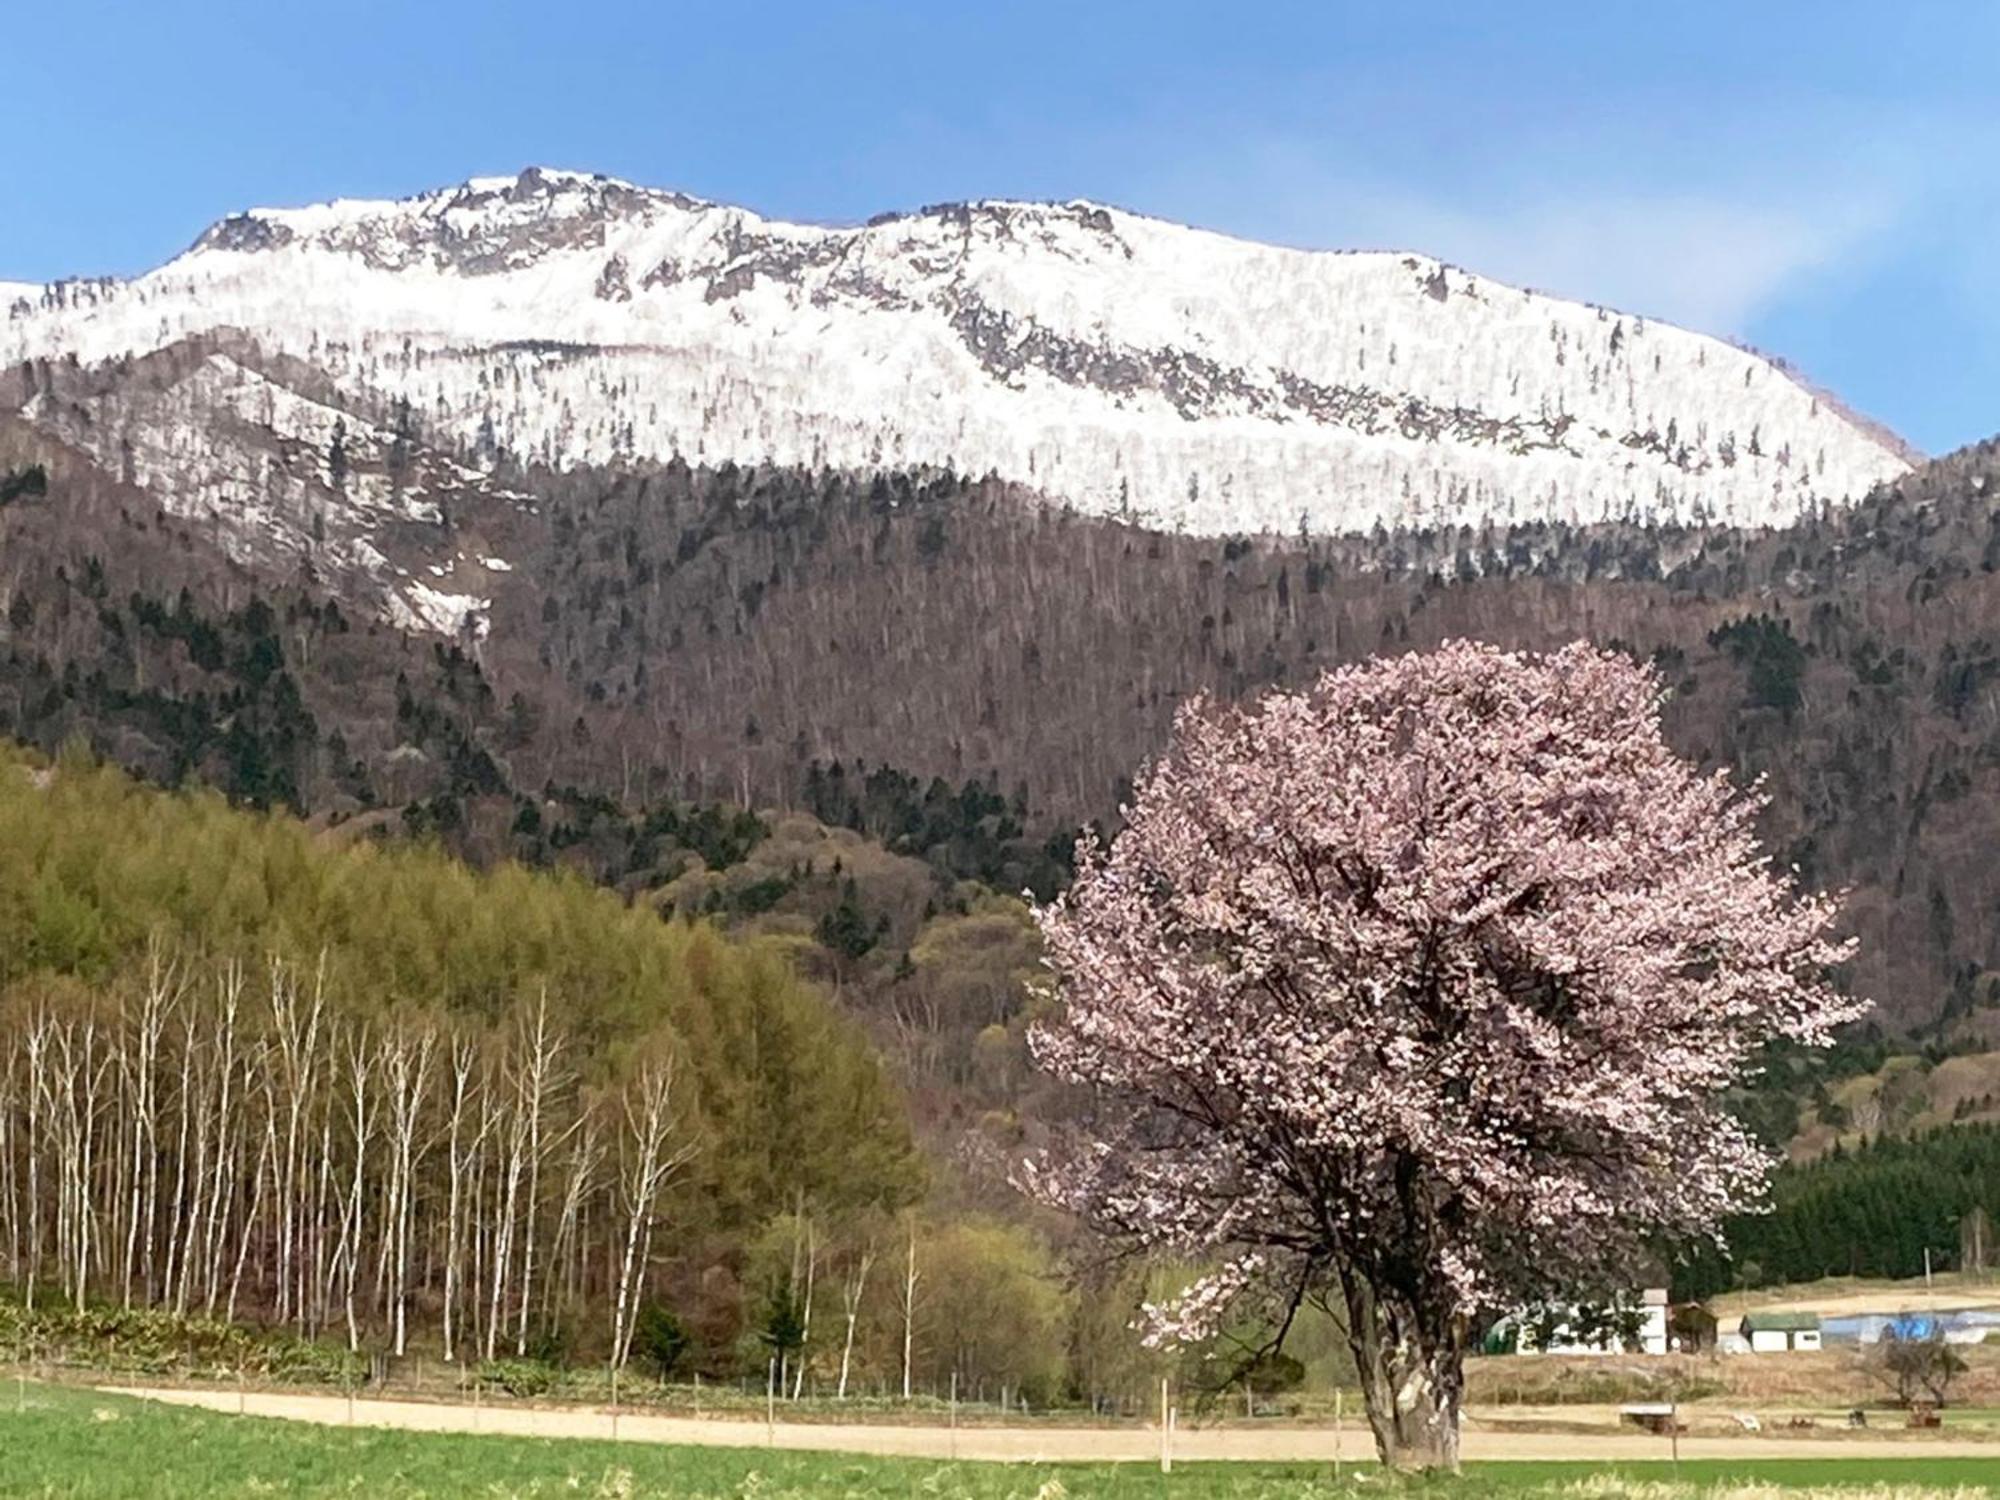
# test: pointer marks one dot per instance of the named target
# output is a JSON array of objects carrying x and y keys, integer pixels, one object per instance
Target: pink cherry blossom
[{"x": 1417, "y": 993}]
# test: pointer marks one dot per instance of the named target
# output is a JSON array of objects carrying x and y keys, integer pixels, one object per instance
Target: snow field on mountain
[{"x": 1120, "y": 364}]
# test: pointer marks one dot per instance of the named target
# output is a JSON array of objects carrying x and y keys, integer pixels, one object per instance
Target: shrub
[
  {"x": 1916, "y": 1369},
  {"x": 517, "y": 1377},
  {"x": 660, "y": 1339}
]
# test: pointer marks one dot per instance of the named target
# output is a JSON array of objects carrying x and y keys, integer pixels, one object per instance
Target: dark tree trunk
[{"x": 1410, "y": 1351}]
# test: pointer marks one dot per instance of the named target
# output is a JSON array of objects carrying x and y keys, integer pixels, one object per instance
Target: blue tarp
[{"x": 1869, "y": 1328}]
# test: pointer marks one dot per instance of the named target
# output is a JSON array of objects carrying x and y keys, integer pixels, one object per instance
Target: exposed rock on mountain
[{"x": 1121, "y": 365}]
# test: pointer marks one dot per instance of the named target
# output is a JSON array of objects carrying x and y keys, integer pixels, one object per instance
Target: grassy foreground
[{"x": 59, "y": 1442}]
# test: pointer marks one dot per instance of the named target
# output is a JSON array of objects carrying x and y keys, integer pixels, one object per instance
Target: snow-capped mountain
[{"x": 1120, "y": 364}]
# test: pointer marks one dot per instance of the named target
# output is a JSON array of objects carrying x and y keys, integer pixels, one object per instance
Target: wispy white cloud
[
  {"x": 1703, "y": 263},
  {"x": 1846, "y": 230},
  {"x": 1710, "y": 257}
]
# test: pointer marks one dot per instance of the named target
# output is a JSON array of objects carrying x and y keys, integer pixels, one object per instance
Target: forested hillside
[
  {"x": 355, "y": 1090},
  {"x": 1894, "y": 1208},
  {"x": 363, "y": 1087},
  {"x": 1845, "y": 660},
  {"x": 964, "y": 676}
]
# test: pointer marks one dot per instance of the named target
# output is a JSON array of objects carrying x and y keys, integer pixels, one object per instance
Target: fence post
[
  {"x": 1338, "y": 1394},
  {"x": 771, "y": 1404},
  {"x": 1166, "y": 1431}
]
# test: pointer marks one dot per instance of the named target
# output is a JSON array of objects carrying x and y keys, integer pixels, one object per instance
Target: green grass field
[{"x": 58, "y": 1442}]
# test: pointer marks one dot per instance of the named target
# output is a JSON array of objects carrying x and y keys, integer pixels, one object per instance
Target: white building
[
  {"x": 1653, "y": 1320},
  {"x": 1781, "y": 1332},
  {"x": 1574, "y": 1333}
]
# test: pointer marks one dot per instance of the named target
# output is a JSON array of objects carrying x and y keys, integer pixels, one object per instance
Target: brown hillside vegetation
[{"x": 735, "y": 633}]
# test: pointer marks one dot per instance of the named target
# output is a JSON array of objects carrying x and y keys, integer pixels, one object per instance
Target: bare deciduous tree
[{"x": 655, "y": 1144}]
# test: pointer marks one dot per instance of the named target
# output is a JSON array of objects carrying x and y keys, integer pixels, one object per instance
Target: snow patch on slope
[
  {"x": 1127, "y": 366},
  {"x": 417, "y": 606}
]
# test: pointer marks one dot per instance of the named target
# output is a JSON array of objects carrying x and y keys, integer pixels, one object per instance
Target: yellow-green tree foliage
[
  {"x": 995, "y": 1310},
  {"x": 791, "y": 1099}
]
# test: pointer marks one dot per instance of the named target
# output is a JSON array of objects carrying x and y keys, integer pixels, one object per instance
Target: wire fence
[{"x": 426, "y": 1377}]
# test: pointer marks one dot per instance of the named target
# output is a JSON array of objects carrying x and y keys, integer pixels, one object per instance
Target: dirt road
[
  {"x": 1043, "y": 1444},
  {"x": 1847, "y": 1296}
]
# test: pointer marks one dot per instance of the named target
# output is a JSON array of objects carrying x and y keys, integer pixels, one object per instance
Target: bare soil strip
[{"x": 1034, "y": 1444}]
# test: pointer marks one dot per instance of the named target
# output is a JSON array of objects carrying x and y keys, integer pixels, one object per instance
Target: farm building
[
  {"x": 1780, "y": 1332},
  {"x": 1691, "y": 1329},
  {"x": 1636, "y": 1324},
  {"x": 1653, "y": 1321}
]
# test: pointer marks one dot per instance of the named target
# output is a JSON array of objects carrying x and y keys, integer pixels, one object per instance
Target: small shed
[
  {"x": 1781, "y": 1332},
  {"x": 1692, "y": 1328}
]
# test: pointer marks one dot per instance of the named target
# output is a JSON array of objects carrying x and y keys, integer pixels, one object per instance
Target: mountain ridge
[
  {"x": 1129, "y": 367},
  {"x": 361, "y": 539}
]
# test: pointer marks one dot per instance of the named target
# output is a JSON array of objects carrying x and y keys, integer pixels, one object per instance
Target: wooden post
[
  {"x": 697, "y": 1393},
  {"x": 1338, "y": 1394},
  {"x": 954, "y": 1414},
  {"x": 771, "y": 1404},
  {"x": 1166, "y": 1431},
  {"x": 1674, "y": 1433}
]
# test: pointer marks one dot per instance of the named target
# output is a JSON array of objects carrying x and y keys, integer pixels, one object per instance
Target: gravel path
[{"x": 1045, "y": 1444}]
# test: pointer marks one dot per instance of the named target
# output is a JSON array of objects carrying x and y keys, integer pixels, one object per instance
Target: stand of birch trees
[{"x": 222, "y": 1140}]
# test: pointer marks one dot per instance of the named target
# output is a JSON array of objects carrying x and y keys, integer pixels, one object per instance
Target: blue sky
[{"x": 1820, "y": 179}]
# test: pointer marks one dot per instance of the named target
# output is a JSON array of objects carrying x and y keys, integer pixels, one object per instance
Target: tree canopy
[
  {"x": 1421, "y": 991},
  {"x": 792, "y": 1097}
]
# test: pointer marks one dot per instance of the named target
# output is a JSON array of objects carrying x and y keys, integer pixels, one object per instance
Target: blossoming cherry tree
[{"x": 1415, "y": 995}]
